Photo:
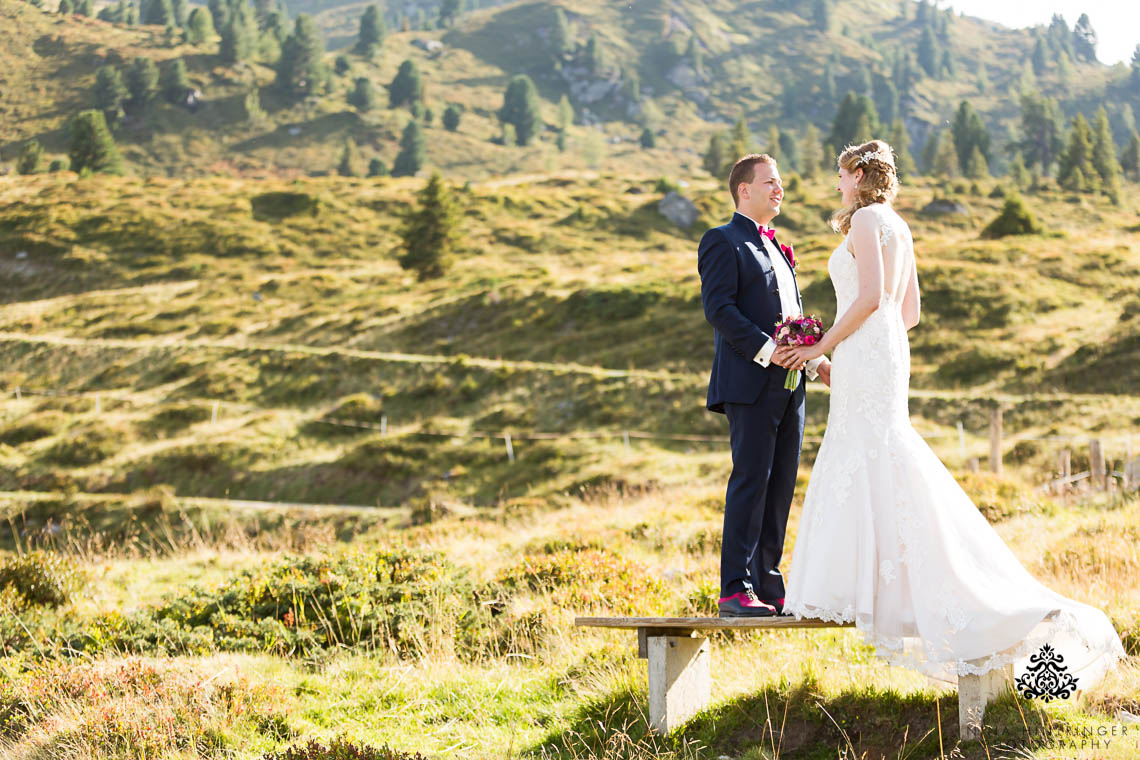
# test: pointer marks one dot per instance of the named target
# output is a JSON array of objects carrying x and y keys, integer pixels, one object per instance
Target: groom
[{"x": 748, "y": 284}]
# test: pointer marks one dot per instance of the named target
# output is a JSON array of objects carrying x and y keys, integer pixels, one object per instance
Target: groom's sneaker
[{"x": 744, "y": 604}]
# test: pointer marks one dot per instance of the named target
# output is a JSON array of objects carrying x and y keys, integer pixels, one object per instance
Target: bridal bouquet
[{"x": 797, "y": 331}]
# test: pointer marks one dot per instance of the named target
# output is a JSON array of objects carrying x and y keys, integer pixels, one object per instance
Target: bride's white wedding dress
[{"x": 889, "y": 540}]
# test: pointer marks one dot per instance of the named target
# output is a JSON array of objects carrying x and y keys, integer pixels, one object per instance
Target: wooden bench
[{"x": 680, "y": 679}]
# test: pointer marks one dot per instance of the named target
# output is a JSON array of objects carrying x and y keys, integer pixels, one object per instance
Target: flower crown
[{"x": 883, "y": 155}]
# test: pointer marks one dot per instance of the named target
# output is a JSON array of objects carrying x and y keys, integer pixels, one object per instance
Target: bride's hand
[{"x": 801, "y": 355}]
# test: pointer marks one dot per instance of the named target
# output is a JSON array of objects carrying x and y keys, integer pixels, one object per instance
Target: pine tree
[
  {"x": 431, "y": 232},
  {"x": 31, "y": 158},
  {"x": 84, "y": 8},
  {"x": 413, "y": 148},
  {"x": 1059, "y": 38},
  {"x": 929, "y": 53},
  {"x": 1104, "y": 152},
  {"x": 219, "y": 12},
  {"x": 173, "y": 80},
  {"x": 565, "y": 113},
  {"x": 251, "y": 104},
  {"x": 856, "y": 121},
  {"x": 377, "y": 168},
  {"x": 945, "y": 160},
  {"x": 740, "y": 141},
  {"x": 1039, "y": 58},
  {"x": 1042, "y": 127},
  {"x": 790, "y": 150},
  {"x": 1075, "y": 170},
  {"x": 239, "y": 35},
  {"x": 648, "y": 139},
  {"x": 66, "y": 7},
  {"x": 969, "y": 132},
  {"x": 821, "y": 15},
  {"x": 695, "y": 55},
  {"x": 109, "y": 91},
  {"x": 561, "y": 38},
  {"x": 827, "y": 91},
  {"x": 277, "y": 24},
  {"x": 301, "y": 70},
  {"x": 886, "y": 97},
  {"x": 158, "y": 12},
  {"x": 772, "y": 145},
  {"x": 372, "y": 33},
  {"x": 565, "y": 119},
  {"x": 594, "y": 57},
  {"x": 142, "y": 81},
  {"x": 1134, "y": 77},
  {"x": 181, "y": 13},
  {"x": 407, "y": 86},
  {"x": 976, "y": 166},
  {"x": 900, "y": 144},
  {"x": 715, "y": 158},
  {"x": 451, "y": 117},
  {"x": 363, "y": 95},
  {"x": 983, "y": 78},
  {"x": 1130, "y": 159},
  {"x": 449, "y": 10},
  {"x": 521, "y": 109},
  {"x": 199, "y": 27},
  {"x": 92, "y": 149},
  {"x": 1084, "y": 40},
  {"x": 351, "y": 162},
  {"x": 811, "y": 151},
  {"x": 1017, "y": 171}
]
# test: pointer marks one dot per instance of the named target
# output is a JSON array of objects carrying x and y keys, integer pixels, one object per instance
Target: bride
[{"x": 887, "y": 538}]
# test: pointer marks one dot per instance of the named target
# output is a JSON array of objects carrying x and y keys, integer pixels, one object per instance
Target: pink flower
[
  {"x": 790, "y": 253},
  {"x": 809, "y": 340}
]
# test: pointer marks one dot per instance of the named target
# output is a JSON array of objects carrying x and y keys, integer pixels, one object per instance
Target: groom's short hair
[{"x": 744, "y": 170}]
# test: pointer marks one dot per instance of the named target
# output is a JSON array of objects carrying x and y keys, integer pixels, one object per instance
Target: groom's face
[{"x": 764, "y": 194}]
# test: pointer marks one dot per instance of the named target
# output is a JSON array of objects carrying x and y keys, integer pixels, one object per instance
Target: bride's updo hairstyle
[{"x": 880, "y": 183}]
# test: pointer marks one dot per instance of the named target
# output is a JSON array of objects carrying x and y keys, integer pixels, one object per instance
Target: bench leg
[
  {"x": 679, "y": 682},
  {"x": 974, "y": 693}
]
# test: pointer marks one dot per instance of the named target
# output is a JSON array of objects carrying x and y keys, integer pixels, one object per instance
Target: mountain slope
[{"x": 751, "y": 54}]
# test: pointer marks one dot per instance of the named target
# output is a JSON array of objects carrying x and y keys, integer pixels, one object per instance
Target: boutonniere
[{"x": 789, "y": 254}]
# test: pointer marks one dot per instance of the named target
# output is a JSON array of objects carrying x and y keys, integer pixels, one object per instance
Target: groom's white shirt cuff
[{"x": 764, "y": 358}]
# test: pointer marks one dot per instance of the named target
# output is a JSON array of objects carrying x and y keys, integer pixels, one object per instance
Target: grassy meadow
[{"x": 257, "y": 489}]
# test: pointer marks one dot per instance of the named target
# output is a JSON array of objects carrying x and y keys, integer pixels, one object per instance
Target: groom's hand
[
  {"x": 824, "y": 370},
  {"x": 782, "y": 357}
]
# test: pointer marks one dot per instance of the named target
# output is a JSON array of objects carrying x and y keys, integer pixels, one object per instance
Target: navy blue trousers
[{"x": 766, "y": 440}]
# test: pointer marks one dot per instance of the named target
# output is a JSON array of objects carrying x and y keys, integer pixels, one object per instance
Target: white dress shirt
[{"x": 789, "y": 301}]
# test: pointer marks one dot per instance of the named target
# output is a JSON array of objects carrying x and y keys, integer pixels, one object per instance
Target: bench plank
[{"x": 704, "y": 623}]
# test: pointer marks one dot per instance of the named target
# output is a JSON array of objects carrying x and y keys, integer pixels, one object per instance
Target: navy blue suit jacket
[{"x": 742, "y": 303}]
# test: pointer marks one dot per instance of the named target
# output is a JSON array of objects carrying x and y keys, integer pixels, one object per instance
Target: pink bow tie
[{"x": 767, "y": 232}]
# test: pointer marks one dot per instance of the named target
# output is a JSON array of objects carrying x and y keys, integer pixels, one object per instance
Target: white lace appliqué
[{"x": 890, "y": 542}]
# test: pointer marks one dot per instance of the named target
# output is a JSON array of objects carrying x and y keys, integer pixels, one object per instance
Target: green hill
[
  {"x": 573, "y": 310},
  {"x": 766, "y": 63}
]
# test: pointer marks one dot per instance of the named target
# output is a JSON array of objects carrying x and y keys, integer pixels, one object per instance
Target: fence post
[
  {"x": 17, "y": 393},
  {"x": 1066, "y": 466},
  {"x": 214, "y": 413},
  {"x": 383, "y": 424},
  {"x": 1096, "y": 464},
  {"x": 995, "y": 441},
  {"x": 98, "y": 405},
  {"x": 625, "y": 437},
  {"x": 510, "y": 449},
  {"x": 972, "y": 464},
  {"x": 962, "y": 440}
]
